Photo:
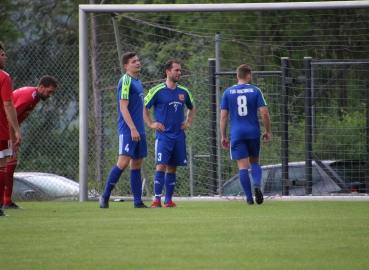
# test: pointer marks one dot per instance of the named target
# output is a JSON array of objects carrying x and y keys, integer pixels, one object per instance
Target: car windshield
[
  {"x": 350, "y": 171},
  {"x": 53, "y": 185}
]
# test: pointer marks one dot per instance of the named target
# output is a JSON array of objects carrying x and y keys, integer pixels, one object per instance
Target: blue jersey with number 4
[
  {"x": 130, "y": 89},
  {"x": 242, "y": 102}
]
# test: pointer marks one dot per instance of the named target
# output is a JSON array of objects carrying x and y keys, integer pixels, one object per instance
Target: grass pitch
[{"x": 197, "y": 235}]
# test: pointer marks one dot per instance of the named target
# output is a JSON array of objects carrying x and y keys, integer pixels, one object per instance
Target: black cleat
[
  {"x": 11, "y": 206},
  {"x": 258, "y": 195},
  {"x": 250, "y": 202},
  {"x": 2, "y": 213},
  {"x": 104, "y": 202},
  {"x": 140, "y": 205}
]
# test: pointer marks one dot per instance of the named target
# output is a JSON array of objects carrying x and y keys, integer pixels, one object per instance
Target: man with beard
[
  {"x": 25, "y": 100},
  {"x": 169, "y": 99}
]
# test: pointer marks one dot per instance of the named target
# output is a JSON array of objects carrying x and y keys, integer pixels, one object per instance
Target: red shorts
[{"x": 6, "y": 148}]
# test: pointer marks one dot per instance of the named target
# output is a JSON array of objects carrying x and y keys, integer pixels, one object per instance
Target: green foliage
[
  {"x": 8, "y": 32},
  {"x": 46, "y": 22},
  {"x": 335, "y": 133}
]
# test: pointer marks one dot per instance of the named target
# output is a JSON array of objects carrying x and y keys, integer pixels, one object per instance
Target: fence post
[
  {"x": 192, "y": 172},
  {"x": 284, "y": 119},
  {"x": 213, "y": 125},
  {"x": 367, "y": 128},
  {"x": 308, "y": 127}
]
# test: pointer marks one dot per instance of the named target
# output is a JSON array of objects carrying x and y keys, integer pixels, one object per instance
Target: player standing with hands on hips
[
  {"x": 8, "y": 118},
  {"x": 169, "y": 99},
  {"x": 131, "y": 131},
  {"x": 242, "y": 102}
]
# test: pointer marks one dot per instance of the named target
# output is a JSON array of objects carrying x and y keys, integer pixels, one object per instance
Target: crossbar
[{"x": 225, "y": 7}]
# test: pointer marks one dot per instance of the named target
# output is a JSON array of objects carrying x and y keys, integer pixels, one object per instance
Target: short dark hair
[
  {"x": 48, "y": 81},
  {"x": 169, "y": 64},
  {"x": 127, "y": 56},
  {"x": 2, "y": 47},
  {"x": 243, "y": 71}
]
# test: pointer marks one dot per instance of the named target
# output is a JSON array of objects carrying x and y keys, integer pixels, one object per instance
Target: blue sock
[
  {"x": 112, "y": 180},
  {"x": 170, "y": 184},
  {"x": 136, "y": 185},
  {"x": 158, "y": 184},
  {"x": 246, "y": 184},
  {"x": 256, "y": 173}
]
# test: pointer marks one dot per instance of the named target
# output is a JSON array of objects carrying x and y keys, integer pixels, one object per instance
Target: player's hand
[
  {"x": 17, "y": 141},
  {"x": 185, "y": 125},
  {"x": 265, "y": 137},
  {"x": 158, "y": 126},
  {"x": 225, "y": 143},
  {"x": 15, "y": 152},
  {"x": 135, "y": 135}
]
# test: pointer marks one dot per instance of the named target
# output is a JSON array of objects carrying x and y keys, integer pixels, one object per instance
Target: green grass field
[{"x": 197, "y": 235}]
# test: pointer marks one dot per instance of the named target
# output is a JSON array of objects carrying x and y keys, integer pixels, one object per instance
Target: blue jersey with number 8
[{"x": 242, "y": 102}]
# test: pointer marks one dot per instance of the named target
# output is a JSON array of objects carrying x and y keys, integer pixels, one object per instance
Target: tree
[{"x": 43, "y": 22}]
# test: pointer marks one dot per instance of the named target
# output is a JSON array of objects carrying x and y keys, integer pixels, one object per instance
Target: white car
[{"x": 37, "y": 186}]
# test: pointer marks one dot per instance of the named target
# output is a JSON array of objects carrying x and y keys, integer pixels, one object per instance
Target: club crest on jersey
[{"x": 181, "y": 97}]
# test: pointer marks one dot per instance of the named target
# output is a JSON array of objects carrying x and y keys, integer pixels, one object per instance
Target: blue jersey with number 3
[
  {"x": 169, "y": 109},
  {"x": 242, "y": 102}
]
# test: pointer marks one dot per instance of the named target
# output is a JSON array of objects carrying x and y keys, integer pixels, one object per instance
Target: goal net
[{"x": 258, "y": 38}]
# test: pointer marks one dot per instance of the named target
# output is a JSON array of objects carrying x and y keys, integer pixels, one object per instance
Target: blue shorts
[
  {"x": 131, "y": 148},
  {"x": 245, "y": 148},
  {"x": 172, "y": 153}
]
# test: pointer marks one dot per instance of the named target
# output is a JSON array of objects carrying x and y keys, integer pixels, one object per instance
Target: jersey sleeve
[
  {"x": 126, "y": 84},
  {"x": 261, "y": 99},
  {"x": 22, "y": 102},
  {"x": 224, "y": 103},
  {"x": 190, "y": 101},
  {"x": 151, "y": 96},
  {"x": 6, "y": 89}
]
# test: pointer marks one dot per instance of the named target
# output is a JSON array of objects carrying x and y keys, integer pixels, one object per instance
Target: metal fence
[{"x": 51, "y": 132}]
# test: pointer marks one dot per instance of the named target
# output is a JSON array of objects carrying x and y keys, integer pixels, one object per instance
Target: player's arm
[
  {"x": 266, "y": 120},
  {"x": 128, "y": 119},
  {"x": 11, "y": 115},
  {"x": 154, "y": 125},
  {"x": 223, "y": 128},
  {"x": 190, "y": 116}
]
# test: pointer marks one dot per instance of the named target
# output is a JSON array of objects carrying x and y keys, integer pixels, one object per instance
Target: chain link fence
[{"x": 51, "y": 132}]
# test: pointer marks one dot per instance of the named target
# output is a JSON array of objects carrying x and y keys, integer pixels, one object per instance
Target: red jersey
[
  {"x": 25, "y": 100},
  {"x": 6, "y": 93}
]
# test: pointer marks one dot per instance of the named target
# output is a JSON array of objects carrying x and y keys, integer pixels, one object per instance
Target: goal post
[{"x": 84, "y": 49}]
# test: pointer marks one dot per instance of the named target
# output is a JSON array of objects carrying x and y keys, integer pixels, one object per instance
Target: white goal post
[{"x": 83, "y": 49}]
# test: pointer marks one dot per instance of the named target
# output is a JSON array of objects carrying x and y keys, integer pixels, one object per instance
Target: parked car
[
  {"x": 36, "y": 186},
  {"x": 337, "y": 176}
]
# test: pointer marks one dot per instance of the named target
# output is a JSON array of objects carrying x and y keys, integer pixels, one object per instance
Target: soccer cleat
[
  {"x": 258, "y": 195},
  {"x": 140, "y": 205},
  {"x": 2, "y": 213},
  {"x": 250, "y": 202},
  {"x": 156, "y": 203},
  {"x": 104, "y": 202},
  {"x": 11, "y": 206},
  {"x": 170, "y": 204}
]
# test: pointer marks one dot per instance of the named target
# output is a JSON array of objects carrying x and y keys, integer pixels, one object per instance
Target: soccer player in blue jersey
[
  {"x": 169, "y": 100},
  {"x": 131, "y": 131},
  {"x": 242, "y": 102}
]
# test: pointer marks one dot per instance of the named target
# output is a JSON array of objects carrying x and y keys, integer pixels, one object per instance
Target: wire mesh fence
[{"x": 51, "y": 132}]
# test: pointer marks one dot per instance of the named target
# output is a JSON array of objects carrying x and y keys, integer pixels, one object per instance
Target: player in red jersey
[
  {"x": 8, "y": 117},
  {"x": 25, "y": 100}
]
